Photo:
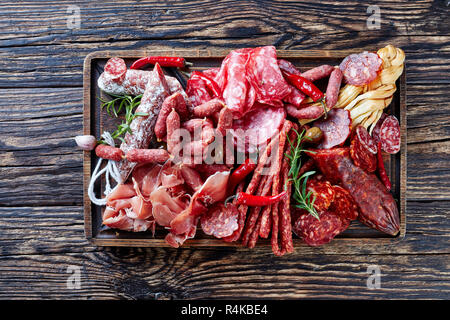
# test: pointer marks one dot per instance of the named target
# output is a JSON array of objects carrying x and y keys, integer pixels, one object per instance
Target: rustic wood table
[{"x": 42, "y": 243}]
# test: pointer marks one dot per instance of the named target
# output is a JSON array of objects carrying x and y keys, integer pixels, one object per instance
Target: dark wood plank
[
  {"x": 59, "y": 229},
  {"x": 64, "y": 68},
  {"x": 197, "y": 274}
]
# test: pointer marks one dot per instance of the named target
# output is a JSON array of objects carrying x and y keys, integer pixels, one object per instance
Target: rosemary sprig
[
  {"x": 116, "y": 105},
  {"x": 302, "y": 198}
]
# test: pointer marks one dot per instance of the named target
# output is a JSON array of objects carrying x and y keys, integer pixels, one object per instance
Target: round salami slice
[
  {"x": 365, "y": 139},
  {"x": 257, "y": 127},
  {"x": 390, "y": 135},
  {"x": 344, "y": 205},
  {"x": 336, "y": 128},
  {"x": 116, "y": 69},
  {"x": 360, "y": 69},
  {"x": 220, "y": 221},
  {"x": 361, "y": 156},
  {"x": 376, "y": 129},
  {"x": 322, "y": 191},
  {"x": 317, "y": 232}
]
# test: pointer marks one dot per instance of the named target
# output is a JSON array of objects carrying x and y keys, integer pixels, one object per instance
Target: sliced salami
[
  {"x": 317, "y": 232},
  {"x": 376, "y": 129},
  {"x": 360, "y": 69},
  {"x": 390, "y": 136},
  {"x": 365, "y": 139},
  {"x": 343, "y": 204},
  {"x": 322, "y": 191},
  {"x": 336, "y": 128},
  {"x": 220, "y": 221},
  {"x": 257, "y": 127},
  {"x": 116, "y": 69},
  {"x": 360, "y": 153},
  {"x": 264, "y": 74}
]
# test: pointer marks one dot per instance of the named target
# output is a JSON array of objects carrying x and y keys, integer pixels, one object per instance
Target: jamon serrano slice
[{"x": 212, "y": 191}]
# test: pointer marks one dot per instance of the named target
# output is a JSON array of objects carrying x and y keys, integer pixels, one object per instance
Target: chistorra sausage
[
  {"x": 334, "y": 84},
  {"x": 208, "y": 108},
  {"x": 142, "y": 127},
  {"x": 174, "y": 101},
  {"x": 377, "y": 206}
]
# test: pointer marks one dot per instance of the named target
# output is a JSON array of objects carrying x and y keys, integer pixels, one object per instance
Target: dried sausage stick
[
  {"x": 148, "y": 155},
  {"x": 108, "y": 152},
  {"x": 174, "y": 101},
  {"x": 172, "y": 124},
  {"x": 208, "y": 108}
]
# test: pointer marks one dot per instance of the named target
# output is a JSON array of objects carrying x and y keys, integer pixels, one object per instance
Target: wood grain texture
[{"x": 41, "y": 222}]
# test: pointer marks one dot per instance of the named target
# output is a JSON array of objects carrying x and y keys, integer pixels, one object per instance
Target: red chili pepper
[
  {"x": 307, "y": 87},
  {"x": 240, "y": 173},
  {"x": 256, "y": 201},
  {"x": 177, "y": 62},
  {"x": 304, "y": 85},
  {"x": 382, "y": 170},
  {"x": 210, "y": 83}
]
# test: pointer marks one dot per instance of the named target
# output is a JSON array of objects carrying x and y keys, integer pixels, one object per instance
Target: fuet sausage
[
  {"x": 208, "y": 108},
  {"x": 148, "y": 155},
  {"x": 107, "y": 152},
  {"x": 142, "y": 128}
]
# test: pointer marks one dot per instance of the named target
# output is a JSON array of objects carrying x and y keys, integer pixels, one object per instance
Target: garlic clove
[{"x": 86, "y": 142}]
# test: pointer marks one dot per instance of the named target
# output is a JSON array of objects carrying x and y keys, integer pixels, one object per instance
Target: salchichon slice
[{"x": 157, "y": 90}]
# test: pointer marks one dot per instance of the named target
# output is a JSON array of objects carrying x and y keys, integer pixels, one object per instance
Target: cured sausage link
[
  {"x": 334, "y": 84},
  {"x": 208, "y": 108},
  {"x": 172, "y": 124},
  {"x": 142, "y": 128},
  {"x": 174, "y": 101},
  {"x": 110, "y": 153},
  {"x": 148, "y": 155},
  {"x": 377, "y": 207}
]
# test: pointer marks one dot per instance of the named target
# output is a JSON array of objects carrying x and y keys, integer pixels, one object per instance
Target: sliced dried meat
[
  {"x": 116, "y": 69},
  {"x": 377, "y": 128},
  {"x": 322, "y": 191},
  {"x": 362, "y": 150},
  {"x": 257, "y": 127},
  {"x": 343, "y": 204},
  {"x": 264, "y": 75},
  {"x": 336, "y": 128},
  {"x": 236, "y": 87},
  {"x": 360, "y": 69},
  {"x": 198, "y": 92},
  {"x": 317, "y": 232},
  {"x": 390, "y": 136},
  {"x": 220, "y": 221}
]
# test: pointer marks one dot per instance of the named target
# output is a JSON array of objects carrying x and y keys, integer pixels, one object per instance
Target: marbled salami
[
  {"x": 390, "y": 136},
  {"x": 360, "y": 69},
  {"x": 336, "y": 128}
]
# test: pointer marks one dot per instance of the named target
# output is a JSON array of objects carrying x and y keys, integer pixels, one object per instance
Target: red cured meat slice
[
  {"x": 197, "y": 92},
  {"x": 390, "y": 135},
  {"x": 336, "y": 128},
  {"x": 211, "y": 72},
  {"x": 116, "y": 69},
  {"x": 365, "y": 139},
  {"x": 264, "y": 74},
  {"x": 236, "y": 85},
  {"x": 220, "y": 221},
  {"x": 360, "y": 69},
  {"x": 361, "y": 157},
  {"x": 343, "y": 204},
  {"x": 257, "y": 127},
  {"x": 315, "y": 232},
  {"x": 376, "y": 129},
  {"x": 323, "y": 193}
]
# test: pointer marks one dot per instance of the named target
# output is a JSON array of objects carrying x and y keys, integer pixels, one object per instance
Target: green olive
[{"x": 313, "y": 135}]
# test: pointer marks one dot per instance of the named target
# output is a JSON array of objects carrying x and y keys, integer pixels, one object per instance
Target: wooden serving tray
[{"x": 95, "y": 121}]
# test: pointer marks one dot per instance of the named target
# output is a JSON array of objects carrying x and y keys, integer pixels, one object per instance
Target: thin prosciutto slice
[{"x": 213, "y": 190}]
